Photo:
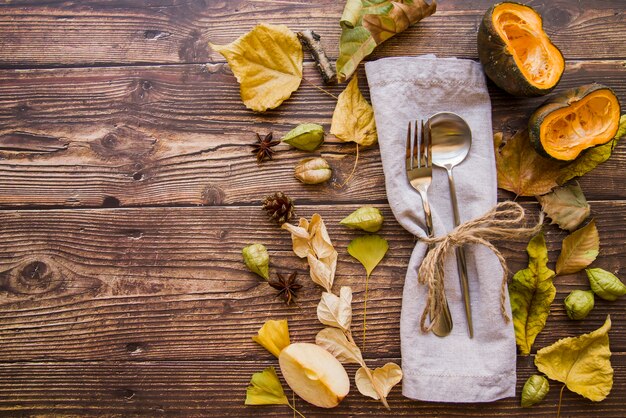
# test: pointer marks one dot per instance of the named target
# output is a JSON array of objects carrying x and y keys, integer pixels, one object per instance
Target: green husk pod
[
  {"x": 579, "y": 303},
  {"x": 535, "y": 390},
  {"x": 313, "y": 170},
  {"x": 367, "y": 218},
  {"x": 305, "y": 137},
  {"x": 257, "y": 259}
]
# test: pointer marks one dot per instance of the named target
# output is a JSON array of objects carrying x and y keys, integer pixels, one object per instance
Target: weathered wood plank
[
  {"x": 202, "y": 388},
  {"x": 179, "y": 135},
  {"x": 170, "y": 283},
  {"x": 131, "y": 32}
]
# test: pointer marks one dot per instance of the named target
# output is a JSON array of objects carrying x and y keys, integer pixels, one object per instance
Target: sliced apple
[{"x": 314, "y": 374}]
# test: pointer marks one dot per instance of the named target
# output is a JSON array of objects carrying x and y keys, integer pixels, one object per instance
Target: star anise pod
[
  {"x": 263, "y": 148},
  {"x": 287, "y": 287}
]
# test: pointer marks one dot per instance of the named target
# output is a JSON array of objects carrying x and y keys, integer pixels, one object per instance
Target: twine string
[{"x": 503, "y": 221}]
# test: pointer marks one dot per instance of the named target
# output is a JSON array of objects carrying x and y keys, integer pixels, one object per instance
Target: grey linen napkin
[{"x": 454, "y": 368}]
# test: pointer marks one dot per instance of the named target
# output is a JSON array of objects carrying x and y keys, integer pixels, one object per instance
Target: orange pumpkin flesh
[
  {"x": 566, "y": 132},
  {"x": 538, "y": 59}
]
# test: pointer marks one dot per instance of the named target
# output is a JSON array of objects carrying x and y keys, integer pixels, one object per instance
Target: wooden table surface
[{"x": 127, "y": 190}]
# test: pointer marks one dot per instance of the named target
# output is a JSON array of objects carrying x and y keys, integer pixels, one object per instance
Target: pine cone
[{"x": 279, "y": 207}]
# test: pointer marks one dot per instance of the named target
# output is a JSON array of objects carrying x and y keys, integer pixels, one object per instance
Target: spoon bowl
[{"x": 451, "y": 137}]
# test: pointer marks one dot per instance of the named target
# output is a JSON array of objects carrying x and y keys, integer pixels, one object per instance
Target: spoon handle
[{"x": 460, "y": 257}]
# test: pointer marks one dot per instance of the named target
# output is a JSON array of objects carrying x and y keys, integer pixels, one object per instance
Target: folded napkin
[{"x": 454, "y": 368}]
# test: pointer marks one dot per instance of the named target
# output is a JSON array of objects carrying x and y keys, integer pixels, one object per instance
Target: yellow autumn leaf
[
  {"x": 267, "y": 62},
  {"x": 273, "y": 336},
  {"x": 531, "y": 293},
  {"x": 353, "y": 118},
  {"x": 265, "y": 389},
  {"x": 583, "y": 363},
  {"x": 579, "y": 249}
]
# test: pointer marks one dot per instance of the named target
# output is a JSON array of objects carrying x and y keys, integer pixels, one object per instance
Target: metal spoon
[{"x": 452, "y": 139}]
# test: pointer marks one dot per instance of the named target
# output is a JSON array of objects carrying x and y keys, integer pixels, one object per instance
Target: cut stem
[
  {"x": 367, "y": 279},
  {"x": 295, "y": 410},
  {"x": 558, "y": 411},
  {"x": 383, "y": 398}
]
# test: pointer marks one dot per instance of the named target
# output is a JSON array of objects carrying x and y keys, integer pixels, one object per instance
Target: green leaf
[
  {"x": 531, "y": 293},
  {"x": 605, "y": 284},
  {"x": 582, "y": 363},
  {"x": 265, "y": 389},
  {"x": 592, "y": 157},
  {"x": 579, "y": 249},
  {"x": 566, "y": 206},
  {"x": 369, "y": 250},
  {"x": 305, "y": 137},
  {"x": 367, "y": 218},
  {"x": 535, "y": 390},
  {"x": 368, "y": 23}
]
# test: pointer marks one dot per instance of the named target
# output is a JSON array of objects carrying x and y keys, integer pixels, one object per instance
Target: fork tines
[{"x": 419, "y": 149}]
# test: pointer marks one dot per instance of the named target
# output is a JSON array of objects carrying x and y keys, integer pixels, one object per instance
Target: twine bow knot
[{"x": 503, "y": 221}]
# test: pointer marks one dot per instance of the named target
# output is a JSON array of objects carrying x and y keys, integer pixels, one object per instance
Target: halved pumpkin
[
  {"x": 515, "y": 51},
  {"x": 575, "y": 120}
]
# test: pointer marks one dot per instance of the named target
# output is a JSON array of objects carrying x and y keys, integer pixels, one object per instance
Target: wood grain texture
[
  {"x": 177, "y": 31},
  {"x": 180, "y": 135},
  {"x": 204, "y": 388},
  {"x": 143, "y": 306},
  {"x": 170, "y": 283}
]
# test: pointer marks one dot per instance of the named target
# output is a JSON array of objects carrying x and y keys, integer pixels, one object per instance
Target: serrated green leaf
[
  {"x": 368, "y": 23},
  {"x": 566, "y": 206},
  {"x": 531, "y": 293},
  {"x": 605, "y": 284}
]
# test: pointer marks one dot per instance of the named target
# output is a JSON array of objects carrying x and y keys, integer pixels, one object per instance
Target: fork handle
[{"x": 430, "y": 231}]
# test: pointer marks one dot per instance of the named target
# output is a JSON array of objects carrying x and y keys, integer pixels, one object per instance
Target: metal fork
[{"x": 419, "y": 170}]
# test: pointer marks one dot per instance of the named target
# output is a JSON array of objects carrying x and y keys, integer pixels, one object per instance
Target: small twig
[
  {"x": 356, "y": 160},
  {"x": 311, "y": 41},
  {"x": 321, "y": 89}
]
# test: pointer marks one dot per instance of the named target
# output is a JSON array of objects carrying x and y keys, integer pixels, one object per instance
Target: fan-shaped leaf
[{"x": 265, "y": 389}]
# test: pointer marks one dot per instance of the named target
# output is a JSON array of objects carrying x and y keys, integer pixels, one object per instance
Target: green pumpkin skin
[
  {"x": 560, "y": 101},
  {"x": 499, "y": 64}
]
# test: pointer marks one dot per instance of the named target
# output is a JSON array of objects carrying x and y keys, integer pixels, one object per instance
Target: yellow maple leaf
[
  {"x": 582, "y": 363},
  {"x": 267, "y": 62},
  {"x": 353, "y": 118}
]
